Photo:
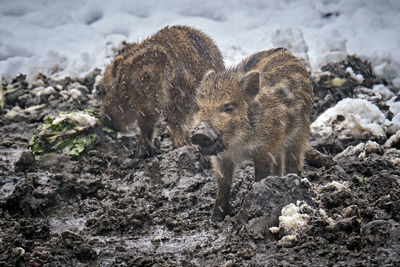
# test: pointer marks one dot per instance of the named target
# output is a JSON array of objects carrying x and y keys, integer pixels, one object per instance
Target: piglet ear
[
  {"x": 208, "y": 74},
  {"x": 250, "y": 83}
]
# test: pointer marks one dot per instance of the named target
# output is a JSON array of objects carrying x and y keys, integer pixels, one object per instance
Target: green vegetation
[{"x": 70, "y": 133}]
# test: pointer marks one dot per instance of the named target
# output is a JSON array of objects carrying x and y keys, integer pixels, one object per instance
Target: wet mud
[{"x": 107, "y": 209}]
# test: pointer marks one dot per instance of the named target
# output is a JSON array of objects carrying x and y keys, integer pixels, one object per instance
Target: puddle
[
  {"x": 165, "y": 241},
  {"x": 7, "y": 186},
  {"x": 8, "y": 156},
  {"x": 58, "y": 225}
]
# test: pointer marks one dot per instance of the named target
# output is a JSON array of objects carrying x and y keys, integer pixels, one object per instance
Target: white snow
[
  {"x": 81, "y": 117},
  {"x": 16, "y": 111},
  {"x": 287, "y": 241},
  {"x": 382, "y": 91},
  {"x": 358, "y": 118},
  {"x": 292, "y": 219},
  {"x": 357, "y": 76},
  {"x": 362, "y": 150},
  {"x": 73, "y": 37},
  {"x": 392, "y": 140},
  {"x": 395, "y": 123},
  {"x": 291, "y": 38},
  {"x": 394, "y": 107},
  {"x": 274, "y": 229},
  {"x": 338, "y": 186}
]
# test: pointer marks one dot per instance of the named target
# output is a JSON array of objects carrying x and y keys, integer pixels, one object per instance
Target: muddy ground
[{"x": 105, "y": 209}]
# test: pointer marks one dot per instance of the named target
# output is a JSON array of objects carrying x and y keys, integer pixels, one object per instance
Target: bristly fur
[
  {"x": 157, "y": 76},
  {"x": 272, "y": 97}
]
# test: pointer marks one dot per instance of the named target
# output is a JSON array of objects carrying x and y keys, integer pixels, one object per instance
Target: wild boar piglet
[
  {"x": 259, "y": 110},
  {"x": 155, "y": 77}
]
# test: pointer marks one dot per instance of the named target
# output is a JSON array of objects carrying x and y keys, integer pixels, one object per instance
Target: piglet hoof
[
  {"x": 220, "y": 211},
  {"x": 205, "y": 162}
]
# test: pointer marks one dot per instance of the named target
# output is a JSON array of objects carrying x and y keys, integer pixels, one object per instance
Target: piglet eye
[{"x": 228, "y": 108}]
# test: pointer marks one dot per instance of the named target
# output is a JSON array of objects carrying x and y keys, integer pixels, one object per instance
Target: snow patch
[
  {"x": 82, "y": 118},
  {"x": 41, "y": 91},
  {"x": 337, "y": 186},
  {"x": 70, "y": 38},
  {"x": 383, "y": 91},
  {"x": 350, "y": 150},
  {"x": 292, "y": 220},
  {"x": 292, "y": 39},
  {"x": 287, "y": 240},
  {"x": 361, "y": 150},
  {"x": 394, "y": 139},
  {"x": 331, "y": 222},
  {"x": 356, "y": 118},
  {"x": 17, "y": 112},
  {"x": 69, "y": 223},
  {"x": 358, "y": 77}
]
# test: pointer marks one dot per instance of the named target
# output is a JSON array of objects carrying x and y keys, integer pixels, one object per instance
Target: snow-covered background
[{"x": 73, "y": 37}]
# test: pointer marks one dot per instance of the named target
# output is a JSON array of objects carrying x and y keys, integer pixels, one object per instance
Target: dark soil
[{"x": 106, "y": 209}]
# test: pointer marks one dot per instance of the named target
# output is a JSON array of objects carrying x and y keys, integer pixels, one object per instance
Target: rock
[
  {"x": 90, "y": 79},
  {"x": 287, "y": 241},
  {"x": 274, "y": 229},
  {"x": 350, "y": 211},
  {"x": 48, "y": 91},
  {"x": 379, "y": 232},
  {"x": 373, "y": 147},
  {"x": 129, "y": 163},
  {"x": 18, "y": 252},
  {"x": 262, "y": 206},
  {"x": 316, "y": 159},
  {"x": 347, "y": 224},
  {"x": 26, "y": 162},
  {"x": 258, "y": 228}
]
